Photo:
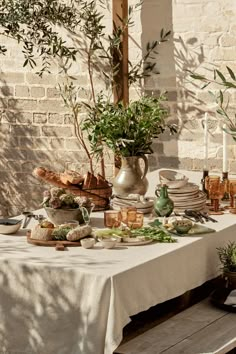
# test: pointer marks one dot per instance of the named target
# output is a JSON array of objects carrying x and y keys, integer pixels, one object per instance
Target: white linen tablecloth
[{"x": 78, "y": 301}]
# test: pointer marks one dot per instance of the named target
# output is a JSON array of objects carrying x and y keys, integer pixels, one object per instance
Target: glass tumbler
[
  {"x": 138, "y": 221},
  {"x": 112, "y": 218}
]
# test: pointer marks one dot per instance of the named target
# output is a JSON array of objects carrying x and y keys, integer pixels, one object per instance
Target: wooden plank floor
[{"x": 201, "y": 328}]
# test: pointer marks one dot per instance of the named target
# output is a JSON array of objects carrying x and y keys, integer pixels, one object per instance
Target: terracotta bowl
[
  {"x": 172, "y": 179},
  {"x": 232, "y": 210}
]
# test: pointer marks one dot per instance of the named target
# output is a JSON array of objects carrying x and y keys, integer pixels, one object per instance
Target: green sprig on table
[{"x": 154, "y": 233}]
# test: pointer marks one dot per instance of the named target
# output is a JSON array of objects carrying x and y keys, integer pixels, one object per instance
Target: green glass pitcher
[{"x": 163, "y": 205}]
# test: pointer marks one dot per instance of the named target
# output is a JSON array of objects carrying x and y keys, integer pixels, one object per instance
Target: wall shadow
[
  {"x": 176, "y": 57},
  {"x": 157, "y": 15},
  {"x": 19, "y": 155}
]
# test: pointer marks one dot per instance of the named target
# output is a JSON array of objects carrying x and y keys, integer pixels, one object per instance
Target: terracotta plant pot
[{"x": 230, "y": 279}]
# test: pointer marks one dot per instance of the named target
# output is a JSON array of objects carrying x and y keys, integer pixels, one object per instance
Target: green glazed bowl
[{"x": 182, "y": 226}]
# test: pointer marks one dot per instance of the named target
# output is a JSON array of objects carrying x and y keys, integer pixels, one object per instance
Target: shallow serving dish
[
  {"x": 9, "y": 226},
  {"x": 172, "y": 179}
]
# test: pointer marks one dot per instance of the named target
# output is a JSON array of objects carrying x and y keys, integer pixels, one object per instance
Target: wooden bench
[{"x": 199, "y": 329}]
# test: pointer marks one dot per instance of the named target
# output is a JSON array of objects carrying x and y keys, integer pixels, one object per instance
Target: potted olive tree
[
  {"x": 60, "y": 31},
  {"x": 129, "y": 132},
  {"x": 227, "y": 257}
]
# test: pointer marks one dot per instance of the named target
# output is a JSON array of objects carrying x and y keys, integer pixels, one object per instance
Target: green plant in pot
[
  {"x": 129, "y": 132},
  {"x": 227, "y": 257}
]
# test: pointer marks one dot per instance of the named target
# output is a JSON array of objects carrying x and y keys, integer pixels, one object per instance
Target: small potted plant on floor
[{"x": 227, "y": 257}]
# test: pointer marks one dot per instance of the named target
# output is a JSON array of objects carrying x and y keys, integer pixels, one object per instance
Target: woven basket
[{"x": 100, "y": 196}]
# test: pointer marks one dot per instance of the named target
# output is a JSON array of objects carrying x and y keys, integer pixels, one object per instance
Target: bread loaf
[
  {"x": 71, "y": 177},
  {"x": 41, "y": 233},
  {"x": 79, "y": 232},
  {"x": 49, "y": 177}
]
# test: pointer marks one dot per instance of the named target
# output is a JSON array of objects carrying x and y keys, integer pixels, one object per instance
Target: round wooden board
[{"x": 51, "y": 243}]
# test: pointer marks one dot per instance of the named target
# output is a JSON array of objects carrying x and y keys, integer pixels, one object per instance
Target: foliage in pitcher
[{"x": 127, "y": 130}]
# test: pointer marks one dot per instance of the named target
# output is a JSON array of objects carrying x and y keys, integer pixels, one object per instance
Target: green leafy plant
[
  {"x": 225, "y": 83},
  {"x": 127, "y": 130},
  {"x": 227, "y": 257}
]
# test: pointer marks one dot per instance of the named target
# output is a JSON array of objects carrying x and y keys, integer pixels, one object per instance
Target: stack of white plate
[
  {"x": 187, "y": 197},
  {"x": 145, "y": 205}
]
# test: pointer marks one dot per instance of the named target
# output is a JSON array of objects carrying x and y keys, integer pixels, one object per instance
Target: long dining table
[{"x": 78, "y": 301}]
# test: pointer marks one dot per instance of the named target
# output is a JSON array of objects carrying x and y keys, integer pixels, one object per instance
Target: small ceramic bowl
[
  {"x": 182, "y": 226},
  {"x": 172, "y": 179},
  {"x": 108, "y": 242},
  {"x": 9, "y": 226},
  {"x": 87, "y": 242}
]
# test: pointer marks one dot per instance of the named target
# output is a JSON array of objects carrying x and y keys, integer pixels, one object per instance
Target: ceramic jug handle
[
  {"x": 85, "y": 215},
  {"x": 144, "y": 158},
  {"x": 157, "y": 193}
]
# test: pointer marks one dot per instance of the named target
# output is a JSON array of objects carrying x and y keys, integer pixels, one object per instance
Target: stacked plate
[
  {"x": 145, "y": 205},
  {"x": 187, "y": 197}
]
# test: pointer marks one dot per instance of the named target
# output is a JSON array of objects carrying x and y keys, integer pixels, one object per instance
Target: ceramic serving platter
[
  {"x": 135, "y": 243},
  {"x": 195, "y": 230}
]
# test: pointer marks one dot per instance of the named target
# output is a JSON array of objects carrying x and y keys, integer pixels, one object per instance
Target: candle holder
[
  {"x": 204, "y": 175},
  {"x": 225, "y": 180}
]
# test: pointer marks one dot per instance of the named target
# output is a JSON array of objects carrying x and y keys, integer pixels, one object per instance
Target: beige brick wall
[
  {"x": 36, "y": 129},
  {"x": 204, "y": 35}
]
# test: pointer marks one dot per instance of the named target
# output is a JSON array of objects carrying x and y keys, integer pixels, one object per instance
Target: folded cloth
[{"x": 231, "y": 299}]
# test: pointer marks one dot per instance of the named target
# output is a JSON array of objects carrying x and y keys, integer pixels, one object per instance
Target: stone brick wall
[
  {"x": 204, "y": 38},
  {"x": 36, "y": 129}
]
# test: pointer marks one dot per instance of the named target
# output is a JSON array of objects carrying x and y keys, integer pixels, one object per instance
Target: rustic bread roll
[
  {"x": 79, "y": 232},
  {"x": 41, "y": 233}
]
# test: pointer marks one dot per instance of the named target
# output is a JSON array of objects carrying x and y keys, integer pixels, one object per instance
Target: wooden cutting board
[{"x": 52, "y": 243}]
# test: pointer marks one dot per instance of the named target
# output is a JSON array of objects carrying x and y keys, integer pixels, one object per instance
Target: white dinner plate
[{"x": 188, "y": 188}]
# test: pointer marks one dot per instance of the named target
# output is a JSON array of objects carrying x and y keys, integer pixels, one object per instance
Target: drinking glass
[
  {"x": 112, "y": 218},
  {"x": 216, "y": 190},
  {"x": 232, "y": 191}
]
